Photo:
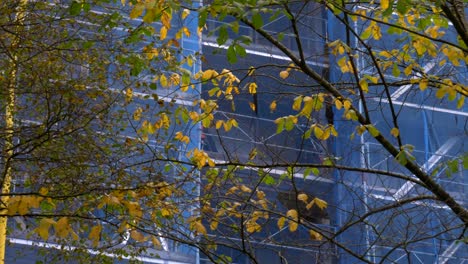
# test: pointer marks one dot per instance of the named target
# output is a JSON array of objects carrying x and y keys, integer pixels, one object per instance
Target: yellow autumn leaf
[
  {"x": 253, "y": 153},
  {"x": 185, "y": 13},
  {"x": 423, "y": 84},
  {"x": 165, "y": 212},
  {"x": 43, "y": 229},
  {"x": 408, "y": 69},
  {"x": 385, "y": 54},
  {"x": 273, "y": 106},
  {"x": 252, "y": 88},
  {"x": 251, "y": 71},
  {"x": 297, "y": 103},
  {"x": 209, "y": 74},
  {"x": 134, "y": 209},
  {"x": 315, "y": 235},
  {"x": 252, "y": 226},
  {"x": 232, "y": 190},
  {"x": 376, "y": 32},
  {"x": 194, "y": 116},
  {"x": 199, "y": 228},
  {"x": 214, "y": 225},
  {"x": 95, "y": 235},
  {"x": 137, "y": 10},
  {"x": 319, "y": 133},
  {"x": 302, "y": 197},
  {"x": 163, "y": 33},
  {"x": 460, "y": 102},
  {"x": 341, "y": 49},
  {"x": 175, "y": 79},
  {"x": 338, "y": 104},
  {"x": 62, "y": 227},
  {"x": 252, "y": 106},
  {"x": 128, "y": 95},
  {"x": 320, "y": 203},
  {"x": 245, "y": 189},
  {"x": 284, "y": 74},
  {"x": 137, "y": 114},
  {"x": 332, "y": 130},
  {"x": 293, "y": 226},
  {"x": 360, "y": 130},
  {"x": 137, "y": 236},
  {"x": 364, "y": 86},
  {"x": 181, "y": 137},
  {"x": 227, "y": 126},
  {"x": 219, "y": 123},
  {"x": 395, "y": 132},
  {"x": 163, "y": 80},
  {"x": 293, "y": 219},
  {"x": 156, "y": 242},
  {"x": 373, "y": 79},
  {"x": 384, "y": 4},
  {"x": 186, "y": 31},
  {"x": 292, "y": 214},
  {"x": 43, "y": 191},
  {"x": 347, "y": 104},
  {"x": 281, "y": 222},
  {"x": 261, "y": 195}
]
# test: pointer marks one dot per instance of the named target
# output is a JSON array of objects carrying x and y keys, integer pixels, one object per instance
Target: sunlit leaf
[
  {"x": 284, "y": 74},
  {"x": 302, "y": 197},
  {"x": 320, "y": 203},
  {"x": 315, "y": 235},
  {"x": 44, "y": 226},
  {"x": 95, "y": 235}
]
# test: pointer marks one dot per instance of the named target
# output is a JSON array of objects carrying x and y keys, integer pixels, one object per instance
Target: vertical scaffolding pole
[{"x": 9, "y": 129}]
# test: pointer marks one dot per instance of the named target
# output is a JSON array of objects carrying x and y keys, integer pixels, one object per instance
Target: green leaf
[
  {"x": 394, "y": 30},
  {"x": 401, "y": 158},
  {"x": 327, "y": 161},
  {"x": 202, "y": 16},
  {"x": 403, "y": 6},
  {"x": 307, "y": 172},
  {"x": 235, "y": 26},
  {"x": 231, "y": 55},
  {"x": 307, "y": 134},
  {"x": 315, "y": 171},
  {"x": 213, "y": 91},
  {"x": 240, "y": 50},
  {"x": 222, "y": 35},
  {"x": 424, "y": 22},
  {"x": 245, "y": 39},
  {"x": 269, "y": 180},
  {"x": 366, "y": 33},
  {"x": 137, "y": 10},
  {"x": 75, "y": 8},
  {"x": 280, "y": 125},
  {"x": 452, "y": 167},
  {"x": 388, "y": 11},
  {"x": 395, "y": 70},
  {"x": 289, "y": 124},
  {"x": 280, "y": 36},
  {"x": 257, "y": 20},
  {"x": 372, "y": 130}
]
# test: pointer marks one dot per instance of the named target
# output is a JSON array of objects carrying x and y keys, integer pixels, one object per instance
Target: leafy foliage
[{"x": 109, "y": 116}]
